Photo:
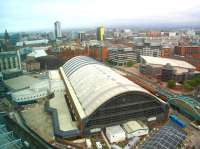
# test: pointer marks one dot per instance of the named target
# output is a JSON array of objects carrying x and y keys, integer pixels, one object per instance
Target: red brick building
[
  {"x": 190, "y": 54},
  {"x": 166, "y": 52}
]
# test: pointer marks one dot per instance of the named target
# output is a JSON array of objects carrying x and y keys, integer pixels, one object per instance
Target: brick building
[{"x": 190, "y": 54}]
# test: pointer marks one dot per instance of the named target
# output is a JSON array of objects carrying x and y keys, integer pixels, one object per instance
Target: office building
[
  {"x": 190, "y": 54},
  {"x": 147, "y": 47},
  {"x": 121, "y": 56},
  {"x": 58, "y": 32},
  {"x": 100, "y": 33},
  {"x": 166, "y": 68},
  {"x": 99, "y": 53},
  {"x": 81, "y": 36}
]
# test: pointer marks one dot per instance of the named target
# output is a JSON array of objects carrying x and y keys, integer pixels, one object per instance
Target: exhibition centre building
[{"x": 98, "y": 97}]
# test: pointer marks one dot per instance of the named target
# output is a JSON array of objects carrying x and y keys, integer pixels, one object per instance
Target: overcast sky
[{"x": 23, "y": 15}]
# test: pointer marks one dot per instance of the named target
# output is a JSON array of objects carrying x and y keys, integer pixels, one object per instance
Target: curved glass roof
[{"x": 95, "y": 83}]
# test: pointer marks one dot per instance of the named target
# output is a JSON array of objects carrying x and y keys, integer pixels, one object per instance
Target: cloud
[{"x": 30, "y": 14}]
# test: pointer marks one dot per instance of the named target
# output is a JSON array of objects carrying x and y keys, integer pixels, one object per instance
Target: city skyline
[{"x": 36, "y": 15}]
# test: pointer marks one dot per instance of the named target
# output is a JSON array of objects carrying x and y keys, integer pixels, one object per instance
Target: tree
[
  {"x": 187, "y": 86},
  {"x": 191, "y": 84},
  {"x": 130, "y": 63},
  {"x": 108, "y": 62},
  {"x": 171, "y": 84}
]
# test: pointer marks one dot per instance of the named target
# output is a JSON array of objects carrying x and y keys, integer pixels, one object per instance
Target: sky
[{"x": 28, "y": 15}]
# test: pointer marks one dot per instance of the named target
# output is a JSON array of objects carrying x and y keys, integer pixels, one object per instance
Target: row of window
[
  {"x": 31, "y": 97},
  {"x": 8, "y": 63}
]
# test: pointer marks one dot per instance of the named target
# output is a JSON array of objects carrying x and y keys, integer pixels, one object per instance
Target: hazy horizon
[{"x": 30, "y": 15}]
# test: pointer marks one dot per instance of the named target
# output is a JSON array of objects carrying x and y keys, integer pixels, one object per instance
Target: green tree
[
  {"x": 130, "y": 63},
  {"x": 191, "y": 84},
  {"x": 171, "y": 84},
  {"x": 187, "y": 85},
  {"x": 108, "y": 62}
]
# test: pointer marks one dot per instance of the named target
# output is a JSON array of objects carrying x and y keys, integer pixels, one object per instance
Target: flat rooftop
[
  {"x": 64, "y": 117},
  {"x": 54, "y": 75},
  {"x": 21, "y": 82},
  {"x": 133, "y": 126}
]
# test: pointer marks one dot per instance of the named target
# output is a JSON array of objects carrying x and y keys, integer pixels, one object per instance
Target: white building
[
  {"x": 39, "y": 89},
  {"x": 172, "y": 34},
  {"x": 115, "y": 134},
  {"x": 135, "y": 129},
  {"x": 32, "y": 42},
  {"x": 58, "y": 32}
]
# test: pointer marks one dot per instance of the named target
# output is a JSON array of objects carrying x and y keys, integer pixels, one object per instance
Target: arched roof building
[{"x": 101, "y": 97}]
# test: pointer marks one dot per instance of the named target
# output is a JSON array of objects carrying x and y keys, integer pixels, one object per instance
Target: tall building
[
  {"x": 100, "y": 33},
  {"x": 81, "y": 36},
  {"x": 147, "y": 48},
  {"x": 58, "y": 33}
]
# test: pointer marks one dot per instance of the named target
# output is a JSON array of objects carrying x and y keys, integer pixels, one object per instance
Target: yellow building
[{"x": 100, "y": 33}]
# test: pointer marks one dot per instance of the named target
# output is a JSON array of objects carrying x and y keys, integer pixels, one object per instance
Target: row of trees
[{"x": 189, "y": 84}]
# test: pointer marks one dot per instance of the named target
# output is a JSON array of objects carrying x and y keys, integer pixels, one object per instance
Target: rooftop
[
  {"x": 37, "y": 53},
  {"x": 168, "y": 137},
  {"x": 114, "y": 129},
  {"x": 64, "y": 126},
  {"x": 64, "y": 117},
  {"x": 21, "y": 43},
  {"x": 54, "y": 75},
  {"x": 98, "y": 80},
  {"x": 164, "y": 61},
  {"x": 21, "y": 82},
  {"x": 132, "y": 126}
]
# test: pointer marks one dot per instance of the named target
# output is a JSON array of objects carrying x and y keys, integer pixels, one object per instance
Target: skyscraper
[
  {"x": 100, "y": 33},
  {"x": 58, "y": 33},
  {"x": 81, "y": 36}
]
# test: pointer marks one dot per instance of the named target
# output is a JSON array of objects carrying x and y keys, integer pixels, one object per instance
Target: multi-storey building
[
  {"x": 121, "y": 56},
  {"x": 100, "y": 33},
  {"x": 147, "y": 48},
  {"x": 82, "y": 36},
  {"x": 190, "y": 54},
  {"x": 166, "y": 69},
  {"x": 10, "y": 60},
  {"x": 58, "y": 32}
]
